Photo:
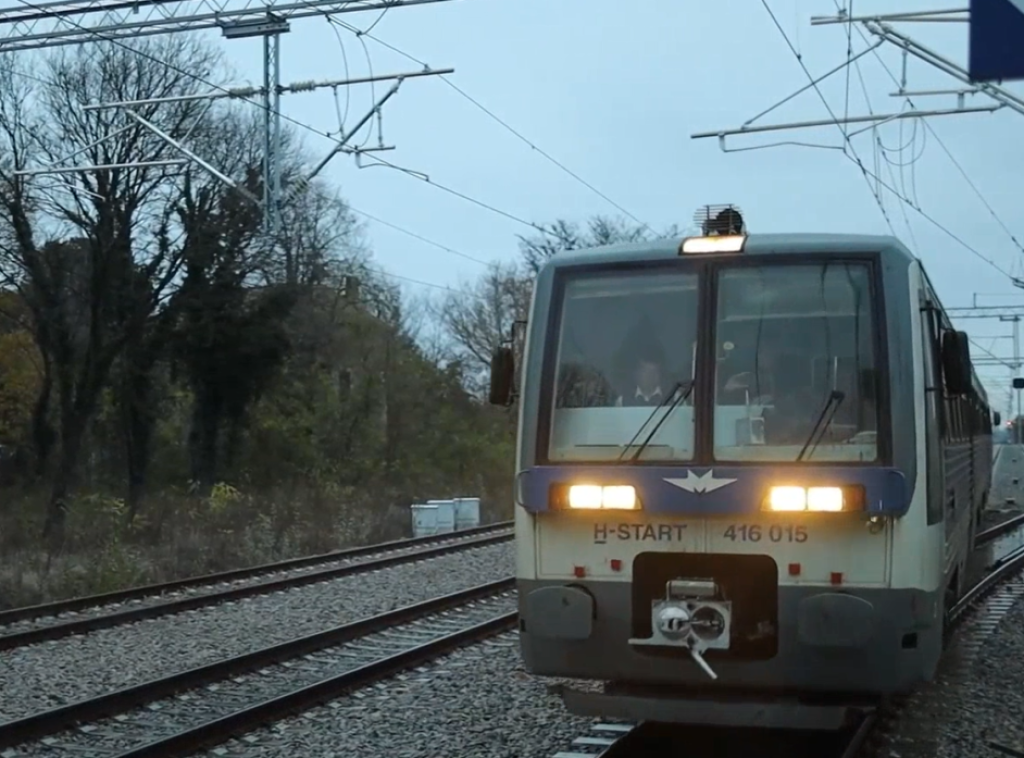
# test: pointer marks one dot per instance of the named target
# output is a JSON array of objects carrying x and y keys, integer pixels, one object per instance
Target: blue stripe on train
[{"x": 721, "y": 490}]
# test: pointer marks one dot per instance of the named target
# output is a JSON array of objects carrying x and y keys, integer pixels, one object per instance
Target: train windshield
[
  {"x": 627, "y": 344},
  {"x": 795, "y": 354}
]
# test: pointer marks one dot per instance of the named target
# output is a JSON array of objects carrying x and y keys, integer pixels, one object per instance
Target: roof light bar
[{"x": 732, "y": 243}]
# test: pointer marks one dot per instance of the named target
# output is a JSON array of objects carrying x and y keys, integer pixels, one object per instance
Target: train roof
[{"x": 756, "y": 244}]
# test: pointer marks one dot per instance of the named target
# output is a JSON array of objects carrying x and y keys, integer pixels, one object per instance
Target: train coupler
[{"x": 691, "y": 616}]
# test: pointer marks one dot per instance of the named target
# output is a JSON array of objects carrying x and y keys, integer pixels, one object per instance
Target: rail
[
  {"x": 481, "y": 616},
  {"x": 636, "y": 741},
  {"x": 456, "y": 542},
  {"x": 997, "y": 531},
  {"x": 74, "y": 604}
]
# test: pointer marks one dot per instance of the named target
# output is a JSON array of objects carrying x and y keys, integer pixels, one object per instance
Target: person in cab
[{"x": 648, "y": 388}]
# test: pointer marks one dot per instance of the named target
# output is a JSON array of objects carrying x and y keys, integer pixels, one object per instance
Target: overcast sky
[{"x": 613, "y": 91}]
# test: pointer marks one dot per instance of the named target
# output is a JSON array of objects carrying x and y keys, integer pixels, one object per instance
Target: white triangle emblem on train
[{"x": 706, "y": 482}]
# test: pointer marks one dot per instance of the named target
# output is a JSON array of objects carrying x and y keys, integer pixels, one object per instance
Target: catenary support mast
[{"x": 31, "y": 26}]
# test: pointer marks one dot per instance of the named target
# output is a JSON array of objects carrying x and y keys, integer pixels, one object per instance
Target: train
[{"x": 749, "y": 472}]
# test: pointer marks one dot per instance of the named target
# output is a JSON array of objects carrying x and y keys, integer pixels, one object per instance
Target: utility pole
[
  {"x": 54, "y": 23},
  {"x": 1018, "y": 383}
]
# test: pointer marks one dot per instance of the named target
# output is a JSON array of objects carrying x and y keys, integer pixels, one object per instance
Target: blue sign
[{"x": 996, "y": 40}]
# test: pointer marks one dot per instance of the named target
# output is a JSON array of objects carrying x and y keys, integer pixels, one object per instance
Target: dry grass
[{"x": 178, "y": 536}]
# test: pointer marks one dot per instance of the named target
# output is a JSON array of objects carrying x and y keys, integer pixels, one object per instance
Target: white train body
[{"x": 701, "y": 583}]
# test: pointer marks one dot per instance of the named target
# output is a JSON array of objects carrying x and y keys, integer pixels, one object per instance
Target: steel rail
[
  {"x": 218, "y": 730},
  {"x": 997, "y": 531},
  {"x": 70, "y": 605},
  {"x": 44, "y": 723},
  {"x": 1004, "y": 568},
  {"x": 859, "y": 737},
  {"x": 1007, "y": 566},
  {"x": 105, "y": 621}
]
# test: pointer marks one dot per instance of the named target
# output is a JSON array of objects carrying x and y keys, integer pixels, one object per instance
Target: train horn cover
[{"x": 722, "y": 230}]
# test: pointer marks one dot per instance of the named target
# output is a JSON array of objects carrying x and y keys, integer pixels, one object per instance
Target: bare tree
[
  {"x": 562, "y": 235},
  {"x": 479, "y": 317},
  {"x": 93, "y": 258},
  {"x": 321, "y": 240}
]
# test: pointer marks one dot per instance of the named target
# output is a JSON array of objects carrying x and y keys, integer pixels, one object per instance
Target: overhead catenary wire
[
  {"x": 376, "y": 219},
  {"x": 930, "y": 130},
  {"x": 949, "y": 154},
  {"x": 848, "y": 143},
  {"x": 868, "y": 175},
  {"x": 877, "y": 148},
  {"x": 500, "y": 121},
  {"x": 419, "y": 237},
  {"x": 262, "y": 106},
  {"x": 342, "y": 117}
]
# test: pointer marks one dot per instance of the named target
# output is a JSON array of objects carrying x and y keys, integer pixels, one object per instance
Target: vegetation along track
[
  {"x": 185, "y": 712},
  {"x": 26, "y": 626}
]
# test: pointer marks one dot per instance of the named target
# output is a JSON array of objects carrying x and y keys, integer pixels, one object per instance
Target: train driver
[
  {"x": 647, "y": 386},
  {"x": 649, "y": 383}
]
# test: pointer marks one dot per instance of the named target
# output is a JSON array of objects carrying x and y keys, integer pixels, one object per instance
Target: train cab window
[
  {"x": 626, "y": 344},
  {"x": 795, "y": 344}
]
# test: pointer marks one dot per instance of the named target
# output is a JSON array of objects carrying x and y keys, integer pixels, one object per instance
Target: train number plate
[{"x": 765, "y": 533}]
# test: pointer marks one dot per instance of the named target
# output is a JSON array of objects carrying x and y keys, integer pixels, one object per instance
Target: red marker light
[
  {"x": 837, "y": 577},
  {"x": 579, "y": 571},
  {"x": 616, "y": 564},
  {"x": 794, "y": 569}
]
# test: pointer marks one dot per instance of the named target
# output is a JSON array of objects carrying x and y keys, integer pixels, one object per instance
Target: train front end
[{"x": 707, "y": 492}]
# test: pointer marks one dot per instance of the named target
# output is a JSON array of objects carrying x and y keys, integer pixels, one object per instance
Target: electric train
[{"x": 749, "y": 473}]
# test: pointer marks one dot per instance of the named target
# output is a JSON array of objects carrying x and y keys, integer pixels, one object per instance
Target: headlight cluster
[
  {"x": 791, "y": 498},
  {"x": 592, "y": 496},
  {"x": 779, "y": 499}
]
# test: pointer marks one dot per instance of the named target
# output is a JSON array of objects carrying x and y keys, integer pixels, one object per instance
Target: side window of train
[{"x": 934, "y": 405}]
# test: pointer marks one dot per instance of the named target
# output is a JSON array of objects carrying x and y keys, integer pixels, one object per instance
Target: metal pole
[
  {"x": 1016, "y": 361},
  {"x": 100, "y": 167},
  {"x": 850, "y": 120},
  {"x": 115, "y": 24},
  {"x": 944, "y": 64},
  {"x": 271, "y": 129},
  {"x": 962, "y": 17},
  {"x": 181, "y": 148},
  {"x": 302, "y": 183}
]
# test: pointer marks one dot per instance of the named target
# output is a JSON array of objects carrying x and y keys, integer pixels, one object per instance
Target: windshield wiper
[
  {"x": 680, "y": 396},
  {"x": 835, "y": 399}
]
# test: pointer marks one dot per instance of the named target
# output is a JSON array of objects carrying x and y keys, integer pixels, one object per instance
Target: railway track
[
  {"x": 997, "y": 531},
  {"x": 30, "y": 625},
  {"x": 663, "y": 740},
  {"x": 980, "y": 611},
  {"x": 185, "y": 712}
]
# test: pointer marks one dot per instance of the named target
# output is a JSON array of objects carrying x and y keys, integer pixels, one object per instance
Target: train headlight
[
  {"x": 727, "y": 243},
  {"x": 825, "y": 499},
  {"x": 833, "y": 499},
  {"x": 787, "y": 499},
  {"x": 613, "y": 497}
]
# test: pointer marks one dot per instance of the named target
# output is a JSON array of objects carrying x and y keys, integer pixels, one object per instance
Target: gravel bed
[
  {"x": 50, "y": 674},
  {"x": 214, "y": 587},
  {"x": 1009, "y": 465},
  {"x": 477, "y": 702},
  {"x": 970, "y": 703},
  {"x": 169, "y": 716}
]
